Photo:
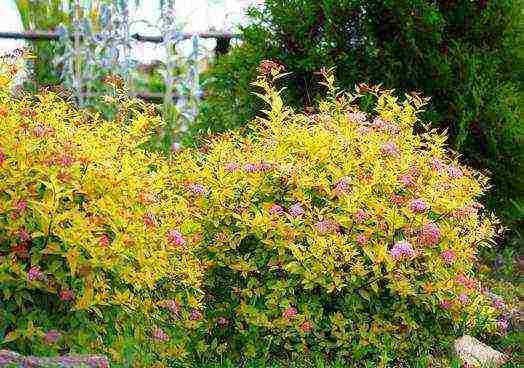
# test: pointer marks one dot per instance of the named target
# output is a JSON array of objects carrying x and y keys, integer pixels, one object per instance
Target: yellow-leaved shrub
[
  {"x": 338, "y": 231},
  {"x": 96, "y": 249}
]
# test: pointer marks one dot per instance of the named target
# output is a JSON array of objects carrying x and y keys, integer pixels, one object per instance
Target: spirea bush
[
  {"x": 335, "y": 232},
  {"x": 96, "y": 248},
  {"x": 338, "y": 232}
]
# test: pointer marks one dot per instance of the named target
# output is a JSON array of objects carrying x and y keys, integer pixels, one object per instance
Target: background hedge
[{"x": 463, "y": 54}]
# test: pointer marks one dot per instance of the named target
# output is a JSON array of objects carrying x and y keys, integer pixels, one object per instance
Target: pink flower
[
  {"x": 398, "y": 199},
  {"x": 342, "y": 186},
  {"x": 176, "y": 147},
  {"x": 418, "y": 205},
  {"x": 149, "y": 220},
  {"x": 446, "y": 304},
  {"x": 503, "y": 325},
  {"x": 498, "y": 303},
  {"x": 263, "y": 166},
  {"x": 250, "y": 168},
  {"x": 159, "y": 335},
  {"x": 65, "y": 160},
  {"x": 172, "y": 306},
  {"x": 407, "y": 180},
  {"x": 413, "y": 170},
  {"x": 22, "y": 205},
  {"x": 289, "y": 312},
  {"x": 195, "y": 315},
  {"x": 34, "y": 273},
  {"x": 39, "y": 130},
  {"x": 103, "y": 240},
  {"x": 175, "y": 238},
  {"x": 448, "y": 256},
  {"x": 275, "y": 210},
  {"x": 52, "y": 336},
  {"x": 454, "y": 172},
  {"x": 357, "y": 116},
  {"x": 231, "y": 167},
  {"x": 360, "y": 216},
  {"x": 24, "y": 235},
  {"x": 66, "y": 295},
  {"x": 390, "y": 148},
  {"x": 2, "y": 157},
  {"x": 197, "y": 188},
  {"x": 325, "y": 226},
  {"x": 306, "y": 326},
  {"x": 468, "y": 282},
  {"x": 436, "y": 164},
  {"x": 463, "y": 298},
  {"x": 362, "y": 239},
  {"x": 363, "y": 130},
  {"x": 467, "y": 211},
  {"x": 222, "y": 322},
  {"x": 380, "y": 124},
  {"x": 296, "y": 210},
  {"x": 401, "y": 249},
  {"x": 429, "y": 234}
]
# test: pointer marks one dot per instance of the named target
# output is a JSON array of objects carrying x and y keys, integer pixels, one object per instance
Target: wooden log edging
[{"x": 10, "y": 358}]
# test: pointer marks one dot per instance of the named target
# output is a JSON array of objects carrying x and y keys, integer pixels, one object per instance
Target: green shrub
[
  {"x": 461, "y": 53},
  {"x": 338, "y": 232}
]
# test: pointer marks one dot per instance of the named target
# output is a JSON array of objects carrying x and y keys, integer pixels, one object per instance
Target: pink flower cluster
[
  {"x": 51, "y": 336},
  {"x": 463, "y": 298},
  {"x": 258, "y": 167},
  {"x": 197, "y": 188},
  {"x": 382, "y": 125},
  {"x": 41, "y": 130},
  {"x": 362, "y": 239},
  {"x": 66, "y": 295},
  {"x": 418, "y": 205},
  {"x": 159, "y": 335},
  {"x": 149, "y": 220},
  {"x": 34, "y": 273},
  {"x": 103, "y": 240},
  {"x": 398, "y": 199},
  {"x": 342, "y": 186},
  {"x": 361, "y": 216},
  {"x": 172, "y": 306},
  {"x": 468, "y": 282},
  {"x": 467, "y": 211},
  {"x": 2, "y": 157},
  {"x": 195, "y": 315},
  {"x": 446, "y": 304},
  {"x": 448, "y": 256},
  {"x": 231, "y": 167},
  {"x": 175, "y": 238},
  {"x": 454, "y": 172},
  {"x": 437, "y": 164},
  {"x": 390, "y": 148},
  {"x": 289, "y": 313},
  {"x": 296, "y": 210},
  {"x": 402, "y": 249},
  {"x": 357, "y": 116},
  {"x": 503, "y": 325},
  {"x": 22, "y": 205},
  {"x": 275, "y": 210},
  {"x": 326, "y": 226},
  {"x": 24, "y": 235},
  {"x": 429, "y": 234},
  {"x": 407, "y": 180}
]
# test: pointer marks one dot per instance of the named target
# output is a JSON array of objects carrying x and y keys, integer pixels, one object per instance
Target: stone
[{"x": 477, "y": 354}]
